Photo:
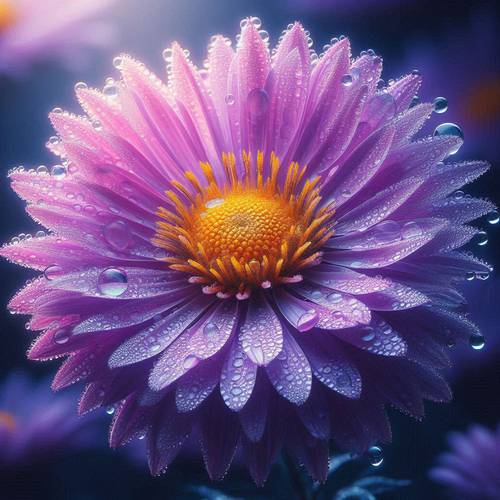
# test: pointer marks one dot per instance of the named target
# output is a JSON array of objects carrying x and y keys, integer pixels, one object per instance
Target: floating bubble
[
  {"x": 440, "y": 105},
  {"x": 112, "y": 282},
  {"x": 375, "y": 456}
]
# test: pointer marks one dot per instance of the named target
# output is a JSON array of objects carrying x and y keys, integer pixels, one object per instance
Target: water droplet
[
  {"x": 257, "y": 101},
  {"x": 264, "y": 35},
  {"x": 411, "y": 230},
  {"x": 375, "y": 456},
  {"x": 118, "y": 62},
  {"x": 346, "y": 80},
  {"x": 81, "y": 86},
  {"x": 307, "y": 320},
  {"x": 387, "y": 231},
  {"x": 481, "y": 238},
  {"x": 112, "y": 282},
  {"x": 440, "y": 105},
  {"x": 52, "y": 272},
  {"x": 214, "y": 203},
  {"x": 211, "y": 330},
  {"x": 110, "y": 90},
  {"x": 482, "y": 276},
  {"x": 190, "y": 362},
  {"x": 58, "y": 171},
  {"x": 449, "y": 129},
  {"x": 493, "y": 217},
  {"x": 477, "y": 342},
  {"x": 42, "y": 169},
  {"x": 167, "y": 54},
  {"x": 110, "y": 410},
  {"x": 40, "y": 234},
  {"x": 117, "y": 234},
  {"x": 229, "y": 99},
  {"x": 470, "y": 276},
  {"x": 62, "y": 336}
]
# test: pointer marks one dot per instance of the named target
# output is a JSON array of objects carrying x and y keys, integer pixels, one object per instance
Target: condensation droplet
[
  {"x": 477, "y": 342},
  {"x": 449, "y": 129},
  {"x": 440, "y": 105},
  {"x": 493, "y": 217},
  {"x": 112, "y": 282},
  {"x": 52, "y": 272},
  {"x": 117, "y": 234},
  {"x": 375, "y": 456}
]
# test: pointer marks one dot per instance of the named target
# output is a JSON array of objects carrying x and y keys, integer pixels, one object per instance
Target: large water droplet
[
  {"x": 477, "y": 342},
  {"x": 117, "y": 234},
  {"x": 211, "y": 330},
  {"x": 110, "y": 410},
  {"x": 307, "y": 320},
  {"x": 481, "y": 238},
  {"x": 346, "y": 80},
  {"x": 58, "y": 171},
  {"x": 440, "y": 105},
  {"x": 375, "y": 456},
  {"x": 52, "y": 272},
  {"x": 62, "y": 336},
  {"x": 493, "y": 217},
  {"x": 257, "y": 101},
  {"x": 411, "y": 230},
  {"x": 387, "y": 231},
  {"x": 190, "y": 362},
  {"x": 449, "y": 129},
  {"x": 229, "y": 99},
  {"x": 112, "y": 282}
]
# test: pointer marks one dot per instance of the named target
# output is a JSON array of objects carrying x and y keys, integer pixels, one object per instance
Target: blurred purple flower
[
  {"x": 33, "y": 30},
  {"x": 470, "y": 469},
  {"x": 225, "y": 299},
  {"x": 463, "y": 65},
  {"x": 36, "y": 424},
  {"x": 342, "y": 6}
]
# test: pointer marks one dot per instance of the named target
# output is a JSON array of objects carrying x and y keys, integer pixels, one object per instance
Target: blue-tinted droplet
[
  {"x": 346, "y": 80},
  {"x": 440, "y": 105},
  {"x": 449, "y": 129},
  {"x": 477, "y": 342},
  {"x": 112, "y": 282},
  {"x": 493, "y": 217},
  {"x": 481, "y": 238},
  {"x": 375, "y": 456}
]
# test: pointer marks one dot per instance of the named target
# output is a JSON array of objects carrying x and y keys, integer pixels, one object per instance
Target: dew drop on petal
[
  {"x": 190, "y": 362},
  {"x": 52, "y": 272},
  {"x": 346, "y": 80},
  {"x": 112, "y": 282},
  {"x": 58, "y": 171},
  {"x": 210, "y": 330},
  {"x": 62, "y": 336},
  {"x": 411, "y": 230},
  {"x": 449, "y": 129},
  {"x": 493, "y": 217},
  {"x": 440, "y": 105},
  {"x": 229, "y": 99},
  {"x": 110, "y": 410},
  {"x": 470, "y": 276},
  {"x": 257, "y": 102},
  {"x": 477, "y": 342},
  {"x": 117, "y": 234}
]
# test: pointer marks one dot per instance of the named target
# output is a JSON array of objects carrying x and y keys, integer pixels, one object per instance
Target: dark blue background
[{"x": 146, "y": 28}]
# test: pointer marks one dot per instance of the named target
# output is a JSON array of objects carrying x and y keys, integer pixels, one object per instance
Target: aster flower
[
  {"x": 259, "y": 253},
  {"x": 32, "y": 31},
  {"x": 469, "y": 470},
  {"x": 36, "y": 424}
]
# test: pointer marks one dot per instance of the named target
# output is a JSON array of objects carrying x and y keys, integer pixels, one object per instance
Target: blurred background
[{"x": 455, "y": 45}]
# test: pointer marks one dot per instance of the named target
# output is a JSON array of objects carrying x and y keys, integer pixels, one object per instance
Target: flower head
[
  {"x": 37, "y": 425},
  {"x": 32, "y": 31},
  {"x": 469, "y": 470},
  {"x": 258, "y": 253}
]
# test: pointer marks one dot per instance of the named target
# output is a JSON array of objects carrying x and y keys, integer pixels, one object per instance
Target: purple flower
[
  {"x": 36, "y": 424},
  {"x": 469, "y": 470},
  {"x": 32, "y": 31},
  {"x": 259, "y": 253}
]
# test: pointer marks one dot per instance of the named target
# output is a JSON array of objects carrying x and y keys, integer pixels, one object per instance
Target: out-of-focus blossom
[
  {"x": 463, "y": 66},
  {"x": 205, "y": 282},
  {"x": 32, "y": 31},
  {"x": 38, "y": 425},
  {"x": 469, "y": 470}
]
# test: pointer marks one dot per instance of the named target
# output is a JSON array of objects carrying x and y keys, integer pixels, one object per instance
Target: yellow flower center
[
  {"x": 247, "y": 231},
  {"x": 7, "y": 420},
  {"x": 7, "y": 15}
]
